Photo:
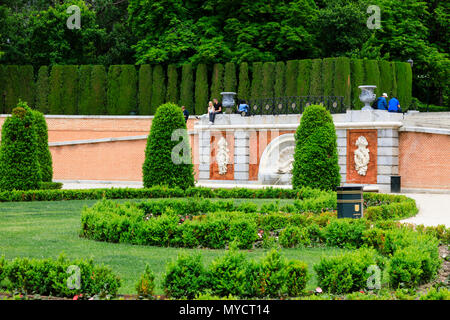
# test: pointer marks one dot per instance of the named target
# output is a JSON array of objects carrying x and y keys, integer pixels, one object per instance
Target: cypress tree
[
  {"x": 26, "y": 84},
  {"x": 69, "y": 90},
  {"x": 43, "y": 152},
  {"x": 84, "y": 90},
  {"x": 12, "y": 87},
  {"x": 303, "y": 78},
  {"x": 328, "y": 76},
  {"x": 244, "y": 82},
  {"x": 113, "y": 91},
  {"x": 404, "y": 83},
  {"x": 280, "y": 77},
  {"x": 56, "y": 83},
  {"x": 357, "y": 79},
  {"x": 187, "y": 88},
  {"x": 172, "y": 84},
  {"x": 342, "y": 81},
  {"x": 145, "y": 89},
  {"x": 127, "y": 102},
  {"x": 386, "y": 77},
  {"x": 229, "y": 82},
  {"x": 372, "y": 75},
  {"x": 168, "y": 162},
  {"x": 257, "y": 80},
  {"x": 19, "y": 164},
  {"x": 98, "y": 87},
  {"x": 217, "y": 81},
  {"x": 291, "y": 78},
  {"x": 316, "y": 157},
  {"x": 158, "y": 88},
  {"x": 315, "y": 87},
  {"x": 2, "y": 88},
  {"x": 201, "y": 89},
  {"x": 42, "y": 90},
  {"x": 268, "y": 80},
  {"x": 394, "y": 79}
]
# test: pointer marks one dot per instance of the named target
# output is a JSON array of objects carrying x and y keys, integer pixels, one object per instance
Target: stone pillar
[
  {"x": 241, "y": 155},
  {"x": 204, "y": 146},
  {"x": 387, "y": 157},
  {"x": 342, "y": 152}
]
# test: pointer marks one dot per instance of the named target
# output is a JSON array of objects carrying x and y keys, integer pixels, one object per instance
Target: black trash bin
[
  {"x": 396, "y": 184},
  {"x": 350, "y": 202}
]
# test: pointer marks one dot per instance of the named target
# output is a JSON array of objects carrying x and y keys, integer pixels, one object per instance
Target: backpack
[{"x": 375, "y": 104}]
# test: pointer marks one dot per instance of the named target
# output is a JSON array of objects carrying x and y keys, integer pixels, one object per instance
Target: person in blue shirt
[
  {"x": 394, "y": 105},
  {"x": 382, "y": 102}
]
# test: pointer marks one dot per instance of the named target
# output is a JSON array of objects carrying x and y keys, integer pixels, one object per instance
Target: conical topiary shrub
[
  {"x": 43, "y": 152},
  {"x": 19, "y": 164},
  {"x": 316, "y": 158},
  {"x": 168, "y": 162}
]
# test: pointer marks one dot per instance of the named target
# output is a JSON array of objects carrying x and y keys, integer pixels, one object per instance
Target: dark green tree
[
  {"x": 187, "y": 88},
  {"x": 229, "y": 81},
  {"x": 168, "y": 154},
  {"x": 316, "y": 158},
  {"x": 217, "y": 81},
  {"x": 201, "y": 89},
  {"x": 244, "y": 82},
  {"x": 113, "y": 91},
  {"x": 158, "y": 87},
  {"x": 19, "y": 163},
  {"x": 145, "y": 89},
  {"x": 84, "y": 90},
  {"x": 342, "y": 81},
  {"x": 280, "y": 74},
  {"x": 43, "y": 152},
  {"x": 404, "y": 79},
  {"x": 357, "y": 79},
  {"x": 127, "y": 102},
  {"x": 172, "y": 94},
  {"x": 372, "y": 75},
  {"x": 42, "y": 90},
  {"x": 98, "y": 90},
  {"x": 316, "y": 85},
  {"x": 304, "y": 77},
  {"x": 328, "y": 76},
  {"x": 291, "y": 77},
  {"x": 268, "y": 80},
  {"x": 257, "y": 80}
]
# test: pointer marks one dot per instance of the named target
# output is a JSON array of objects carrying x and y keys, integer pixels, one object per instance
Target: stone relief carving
[
  {"x": 286, "y": 160},
  {"x": 223, "y": 157},
  {"x": 361, "y": 156}
]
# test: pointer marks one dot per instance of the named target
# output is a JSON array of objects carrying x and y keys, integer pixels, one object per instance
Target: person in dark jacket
[
  {"x": 217, "y": 106},
  {"x": 185, "y": 113},
  {"x": 382, "y": 102}
]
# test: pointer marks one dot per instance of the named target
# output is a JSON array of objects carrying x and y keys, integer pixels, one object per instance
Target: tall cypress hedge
[
  {"x": 257, "y": 80},
  {"x": 217, "y": 81},
  {"x": 43, "y": 152},
  {"x": 42, "y": 90},
  {"x": 328, "y": 76},
  {"x": 315, "y": 86},
  {"x": 404, "y": 83},
  {"x": 98, "y": 89},
  {"x": 201, "y": 89},
  {"x": 342, "y": 80},
  {"x": 229, "y": 81},
  {"x": 3, "y": 78},
  {"x": 172, "y": 94},
  {"x": 187, "y": 88},
  {"x": 158, "y": 88},
  {"x": 54, "y": 96},
  {"x": 372, "y": 75},
  {"x": 113, "y": 91},
  {"x": 304, "y": 77},
  {"x": 19, "y": 164},
  {"x": 84, "y": 89},
  {"x": 316, "y": 157},
  {"x": 145, "y": 89},
  {"x": 357, "y": 79},
  {"x": 26, "y": 84},
  {"x": 244, "y": 82},
  {"x": 128, "y": 90},
  {"x": 168, "y": 162},
  {"x": 280, "y": 77},
  {"x": 291, "y": 78},
  {"x": 268, "y": 82},
  {"x": 69, "y": 90},
  {"x": 386, "y": 77},
  {"x": 11, "y": 87}
]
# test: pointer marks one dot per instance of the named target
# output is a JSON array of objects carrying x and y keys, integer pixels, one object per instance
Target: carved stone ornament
[
  {"x": 223, "y": 157},
  {"x": 286, "y": 160},
  {"x": 361, "y": 156}
]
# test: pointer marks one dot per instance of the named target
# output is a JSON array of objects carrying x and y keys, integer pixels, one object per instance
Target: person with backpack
[{"x": 394, "y": 105}]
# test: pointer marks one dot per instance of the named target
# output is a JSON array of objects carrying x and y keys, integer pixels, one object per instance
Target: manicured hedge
[
  {"x": 172, "y": 94},
  {"x": 145, "y": 89},
  {"x": 217, "y": 81},
  {"x": 244, "y": 82},
  {"x": 356, "y": 79},
  {"x": 304, "y": 77},
  {"x": 327, "y": 76},
  {"x": 403, "y": 75},
  {"x": 268, "y": 80},
  {"x": 257, "y": 80},
  {"x": 342, "y": 79},
  {"x": 158, "y": 88},
  {"x": 187, "y": 88},
  {"x": 229, "y": 81},
  {"x": 316, "y": 84},
  {"x": 201, "y": 89},
  {"x": 291, "y": 78},
  {"x": 84, "y": 89},
  {"x": 50, "y": 277},
  {"x": 372, "y": 75},
  {"x": 98, "y": 85},
  {"x": 42, "y": 90},
  {"x": 43, "y": 152},
  {"x": 279, "y": 87}
]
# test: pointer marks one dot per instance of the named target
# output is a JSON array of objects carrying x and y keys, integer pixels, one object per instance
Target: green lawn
[{"x": 46, "y": 229}]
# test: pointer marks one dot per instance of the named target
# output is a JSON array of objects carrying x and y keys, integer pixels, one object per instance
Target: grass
[{"x": 47, "y": 229}]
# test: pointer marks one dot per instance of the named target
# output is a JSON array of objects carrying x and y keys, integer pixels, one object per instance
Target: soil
[{"x": 443, "y": 276}]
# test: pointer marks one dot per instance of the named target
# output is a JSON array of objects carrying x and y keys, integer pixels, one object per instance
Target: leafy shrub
[
  {"x": 19, "y": 163},
  {"x": 51, "y": 277},
  {"x": 296, "y": 278},
  {"x": 346, "y": 272},
  {"x": 293, "y": 236},
  {"x": 315, "y": 158},
  {"x": 436, "y": 294},
  {"x": 227, "y": 274},
  {"x": 159, "y": 167},
  {"x": 146, "y": 283},
  {"x": 43, "y": 151},
  {"x": 374, "y": 238},
  {"x": 185, "y": 278},
  {"x": 50, "y": 185},
  {"x": 345, "y": 233}
]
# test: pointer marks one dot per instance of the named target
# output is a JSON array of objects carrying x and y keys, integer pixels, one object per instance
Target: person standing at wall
[{"x": 185, "y": 113}]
